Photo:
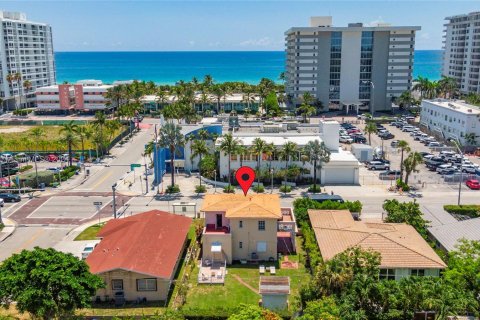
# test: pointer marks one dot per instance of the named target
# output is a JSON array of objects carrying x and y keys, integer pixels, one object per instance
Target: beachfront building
[
  {"x": 349, "y": 68},
  {"x": 138, "y": 256},
  {"x": 232, "y": 102},
  {"x": 451, "y": 119},
  {"x": 403, "y": 251},
  {"x": 86, "y": 96},
  {"x": 343, "y": 167},
  {"x": 461, "y": 55},
  {"x": 26, "y": 48}
]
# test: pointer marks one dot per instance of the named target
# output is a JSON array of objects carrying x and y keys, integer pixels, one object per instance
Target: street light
[
  {"x": 114, "y": 186},
  {"x": 457, "y": 144},
  {"x": 371, "y": 95}
]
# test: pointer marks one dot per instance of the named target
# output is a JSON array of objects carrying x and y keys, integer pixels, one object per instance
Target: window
[
  {"x": 261, "y": 225},
  {"x": 387, "y": 274},
  {"x": 417, "y": 272},
  {"x": 240, "y": 245},
  {"x": 261, "y": 246},
  {"x": 240, "y": 224},
  {"x": 146, "y": 284},
  {"x": 117, "y": 284}
]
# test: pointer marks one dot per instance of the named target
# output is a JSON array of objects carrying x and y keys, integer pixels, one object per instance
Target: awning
[{"x": 216, "y": 248}]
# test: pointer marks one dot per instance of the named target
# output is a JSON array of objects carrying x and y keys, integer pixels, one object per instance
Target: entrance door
[{"x": 219, "y": 221}]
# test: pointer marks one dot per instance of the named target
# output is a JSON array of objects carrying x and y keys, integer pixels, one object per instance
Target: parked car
[
  {"x": 6, "y": 157},
  {"x": 443, "y": 167},
  {"x": 473, "y": 184},
  {"x": 419, "y": 137},
  {"x": 322, "y": 197},
  {"x": 434, "y": 144},
  {"x": 408, "y": 128},
  {"x": 389, "y": 175},
  {"x": 54, "y": 169},
  {"x": 5, "y": 182},
  {"x": 21, "y": 157},
  {"x": 394, "y": 143},
  {"x": 378, "y": 165},
  {"x": 2, "y": 203},
  {"x": 88, "y": 249},
  {"x": 8, "y": 197},
  {"x": 386, "y": 136},
  {"x": 51, "y": 158},
  {"x": 346, "y": 139},
  {"x": 359, "y": 139},
  {"x": 450, "y": 172}
]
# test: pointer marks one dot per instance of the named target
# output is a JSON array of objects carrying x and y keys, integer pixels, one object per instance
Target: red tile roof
[{"x": 149, "y": 243}]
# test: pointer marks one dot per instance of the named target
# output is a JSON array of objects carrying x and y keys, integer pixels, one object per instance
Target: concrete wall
[
  {"x": 224, "y": 239},
  {"x": 130, "y": 286},
  {"x": 323, "y": 68},
  {"x": 249, "y": 235}
]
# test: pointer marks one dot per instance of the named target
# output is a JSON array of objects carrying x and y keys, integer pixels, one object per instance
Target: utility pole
[
  {"x": 114, "y": 186},
  {"x": 146, "y": 179}
]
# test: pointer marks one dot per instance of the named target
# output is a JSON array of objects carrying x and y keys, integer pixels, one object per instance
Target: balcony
[{"x": 213, "y": 229}]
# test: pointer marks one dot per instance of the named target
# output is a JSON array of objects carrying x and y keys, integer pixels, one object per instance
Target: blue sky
[{"x": 219, "y": 25}]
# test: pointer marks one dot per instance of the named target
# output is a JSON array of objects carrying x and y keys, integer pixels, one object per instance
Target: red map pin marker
[{"x": 245, "y": 177}]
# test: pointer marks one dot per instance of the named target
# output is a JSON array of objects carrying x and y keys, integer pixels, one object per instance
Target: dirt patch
[{"x": 13, "y": 129}]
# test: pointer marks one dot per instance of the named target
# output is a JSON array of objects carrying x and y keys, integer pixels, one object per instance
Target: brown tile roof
[
  {"x": 274, "y": 285},
  {"x": 399, "y": 244},
  {"x": 149, "y": 243},
  {"x": 240, "y": 206}
]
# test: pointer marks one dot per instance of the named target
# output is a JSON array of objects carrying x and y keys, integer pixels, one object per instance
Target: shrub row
[
  {"x": 301, "y": 206},
  {"x": 25, "y": 168},
  {"x": 471, "y": 210},
  {"x": 310, "y": 246}
]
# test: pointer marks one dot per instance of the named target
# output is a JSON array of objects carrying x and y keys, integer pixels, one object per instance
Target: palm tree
[
  {"x": 307, "y": 98},
  {"x": 369, "y": 129},
  {"x": 218, "y": 93},
  {"x": 37, "y": 133},
  {"x": 84, "y": 134},
  {"x": 448, "y": 86},
  {"x": 162, "y": 97},
  {"x": 404, "y": 147},
  {"x": 270, "y": 149},
  {"x": 258, "y": 148},
  {"x": 288, "y": 150},
  {"x": 18, "y": 79},
  {"x": 69, "y": 131},
  {"x": 306, "y": 110},
  {"x": 241, "y": 151},
  {"x": 317, "y": 152},
  {"x": 405, "y": 100},
  {"x": 229, "y": 146},
  {"x": 11, "y": 79},
  {"x": 199, "y": 149},
  {"x": 470, "y": 138},
  {"x": 27, "y": 85},
  {"x": 411, "y": 163},
  {"x": 171, "y": 137},
  {"x": 99, "y": 124}
]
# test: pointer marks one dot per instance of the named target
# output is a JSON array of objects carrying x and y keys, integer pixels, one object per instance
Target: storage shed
[
  {"x": 362, "y": 152},
  {"x": 274, "y": 291}
]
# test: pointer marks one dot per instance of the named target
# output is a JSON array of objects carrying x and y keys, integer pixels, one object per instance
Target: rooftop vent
[{"x": 355, "y": 24}]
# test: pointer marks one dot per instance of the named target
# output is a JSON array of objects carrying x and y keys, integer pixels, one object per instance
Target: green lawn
[
  {"x": 204, "y": 299},
  {"x": 90, "y": 233}
]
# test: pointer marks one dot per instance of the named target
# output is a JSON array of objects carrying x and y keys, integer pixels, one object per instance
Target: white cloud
[
  {"x": 261, "y": 42},
  {"x": 424, "y": 35},
  {"x": 191, "y": 43},
  {"x": 214, "y": 44},
  {"x": 374, "y": 23}
]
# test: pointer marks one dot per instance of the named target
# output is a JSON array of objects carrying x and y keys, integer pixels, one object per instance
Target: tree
[
  {"x": 411, "y": 163},
  {"x": 322, "y": 309},
  {"x": 471, "y": 138},
  {"x": 406, "y": 212},
  {"x": 37, "y": 133},
  {"x": 171, "y": 137},
  {"x": 252, "y": 312},
  {"x": 306, "y": 110},
  {"x": 258, "y": 148},
  {"x": 448, "y": 86},
  {"x": 288, "y": 150},
  {"x": 404, "y": 147},
  {"x": 84, "y": 134},
  {"x": 69, "y": 132},
  {"x": 47, "y": 283},
  {"x": 99, "y": 125},
  {"x": 229, "y": 146},
  {"x": 317, "y": 153},
  {"x": 369, "y": 129},
  {"x": 199, "y": 149},
  {"x": 271, "y": 106},
  {"x": 405, "y": 100},
  {"x": 27, "y": 85}
]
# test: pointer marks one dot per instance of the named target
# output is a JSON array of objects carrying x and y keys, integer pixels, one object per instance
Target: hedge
[
  {"x": 471, "y": 210},
  {"x": 28, "y": 179},
  {"x": 301, "y": 206},
  {"x": 310, "y": 246}
]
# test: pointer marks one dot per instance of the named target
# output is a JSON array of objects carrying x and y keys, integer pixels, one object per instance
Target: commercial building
[
  {"x": 354, "y": 67},
  {"x": 84, "y": 96},
  {"x": 138, "y": 256},
  {"x": 451, "y": 119},
  {"x": 26, "y": 48},
  {"x": 403, "y": 251},
  {"x": 343, "y": 167},
  {"x": 461, "y": 56}
]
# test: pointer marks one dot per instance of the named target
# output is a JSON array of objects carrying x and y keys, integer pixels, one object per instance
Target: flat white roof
[
  {"x": 455, "y": 105},
  {"x": 277, "y": 140}
]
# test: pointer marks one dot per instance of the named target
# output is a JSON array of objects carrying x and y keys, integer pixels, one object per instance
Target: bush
[
  {"x": 285, "y": 189},
  {"x": 471, "y": 210},
  {"x": 25, "y": 168},
  {"x": 2, "y": 226},
  {"x": 173, "y": 189},
  {"x": 301, "y": 206},
  {"x": 403, "y": 185},
  {"x": 316, "y": 189},
  {"x": 229, "y": 189},
  {"x": 200, "y": 189},
  {"x": 259, "y": 189},
  {"x": 310, "y": 246},
  {"x": 28, "y": 179}
]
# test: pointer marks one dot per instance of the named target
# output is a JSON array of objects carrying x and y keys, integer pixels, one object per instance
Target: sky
[{"x": 121, "y": 25}]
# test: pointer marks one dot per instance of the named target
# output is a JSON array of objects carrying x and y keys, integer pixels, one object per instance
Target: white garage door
[{"x": 340, "y": 176}]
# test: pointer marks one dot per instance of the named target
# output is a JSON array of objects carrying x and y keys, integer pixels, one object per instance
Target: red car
[
  {"x": 51, "y": 158},
  {"x": 473, "y": 184}
]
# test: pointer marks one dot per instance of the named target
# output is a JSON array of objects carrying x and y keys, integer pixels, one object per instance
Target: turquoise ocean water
[{"x": 169, "y": 67}]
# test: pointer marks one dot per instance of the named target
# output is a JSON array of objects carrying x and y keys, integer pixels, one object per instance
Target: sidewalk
[{"x": 8, "y": 230}]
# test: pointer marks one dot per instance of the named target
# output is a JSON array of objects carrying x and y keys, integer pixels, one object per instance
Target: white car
[
  {"x": 22, "y": 157},
  {"x": 443, "y": 167},
  {"x": 346, "y": 139},
  {"x": 2, "y": 202},
  {"x": 7, "y": 157},
  {"x": 408, "y": 128},
  {"x": 88, "y": 249},
  {"x": 434, "y": 144}
]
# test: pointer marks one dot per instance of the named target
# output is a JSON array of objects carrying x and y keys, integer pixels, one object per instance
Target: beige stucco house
[{"x": 138, "y": 256}]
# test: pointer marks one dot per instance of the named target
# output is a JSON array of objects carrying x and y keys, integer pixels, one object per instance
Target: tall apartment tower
[
  {"x": 349, "y": 68},
  {"x": 461, "y": 56},
  {"x": 26, "y": 48}
]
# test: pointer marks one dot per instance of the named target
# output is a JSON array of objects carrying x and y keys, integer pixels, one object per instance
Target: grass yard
[
  {"x": 147, "y": 309},
  {"x": 90, "y": 233},
  {"x": 204, "y": 299}
]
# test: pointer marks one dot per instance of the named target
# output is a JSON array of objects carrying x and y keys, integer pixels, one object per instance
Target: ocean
[{"x": 170, "y": 67}]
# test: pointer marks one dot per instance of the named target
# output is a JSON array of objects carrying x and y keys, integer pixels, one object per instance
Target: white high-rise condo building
[
  {"x": 461, "y": 56},
  {"x": 351, "y": 68},
  {"x": 26, "y": 49}
]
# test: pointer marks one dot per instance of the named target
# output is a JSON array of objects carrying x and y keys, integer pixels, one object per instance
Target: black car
[
  {"x": 386, "y": 136},
  {"x": 322, "y": 197},
  {"x": 359, "y": 139},
  {"x": 8, "y": 197}
]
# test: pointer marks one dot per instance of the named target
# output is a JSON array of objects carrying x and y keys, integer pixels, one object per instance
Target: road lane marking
[
  {"x": 101, "y": 180},
  {"x": 31, "y": 240}
]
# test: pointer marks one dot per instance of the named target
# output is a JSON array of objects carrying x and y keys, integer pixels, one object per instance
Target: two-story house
[{"x": 245, "y": 228}]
